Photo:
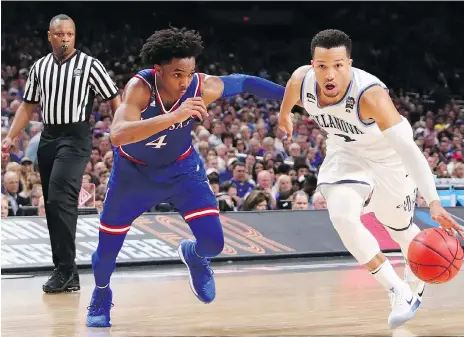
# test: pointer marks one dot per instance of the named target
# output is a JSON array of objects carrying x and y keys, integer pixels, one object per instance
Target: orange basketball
[{"x": 435, "y": 256}]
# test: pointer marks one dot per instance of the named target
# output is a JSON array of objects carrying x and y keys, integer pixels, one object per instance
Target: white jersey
[{"x": 342, "y": 121}]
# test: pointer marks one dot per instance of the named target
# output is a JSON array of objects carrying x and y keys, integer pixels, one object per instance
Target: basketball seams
[
  {"x": 428, "y": 265},
  {"x": 436, "y": 276},
  {"x": 458, "y": 244},
  {"x": 444, "y": 239},
  {"x": 433, "y": 250}
]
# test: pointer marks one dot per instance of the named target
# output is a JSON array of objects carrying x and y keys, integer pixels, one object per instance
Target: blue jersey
[{"x": 170, "y": 145}]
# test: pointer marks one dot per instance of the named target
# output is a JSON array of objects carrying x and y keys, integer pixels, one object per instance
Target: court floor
[{"x": 298, "y": 297}]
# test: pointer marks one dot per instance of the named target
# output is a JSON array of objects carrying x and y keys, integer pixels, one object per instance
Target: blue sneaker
[
  {"x": 201, "y": 276},
  {"x": 99, "y": 309}
]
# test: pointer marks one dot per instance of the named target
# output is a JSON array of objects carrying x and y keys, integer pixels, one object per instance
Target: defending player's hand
[
  {"x": 192, "y": 107},
  {"x": 440, "y": 215},
  {"x": 6, "y": 145},
  {"x": 286, "y": 124}
]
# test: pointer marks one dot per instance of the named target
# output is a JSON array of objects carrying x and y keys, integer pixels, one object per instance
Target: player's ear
[
  {"x": 157, "y": 68},
  {"x": 312, "y": 63},
  {"x": 49, "y": 36},
  {"x": 350, "y": 62}
]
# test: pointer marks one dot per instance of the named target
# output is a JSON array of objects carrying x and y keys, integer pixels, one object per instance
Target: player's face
[
  {"x": 177, "y": 75},
  {"x": 333, "y": 70},
  {"x": 62, "y": 32}
]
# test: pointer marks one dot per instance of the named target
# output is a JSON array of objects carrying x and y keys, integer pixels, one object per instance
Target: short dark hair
[
  {"x": 167, "y": 44},
  {"x": 60, "y": 17},
  {"x": 331, "y": 38}
]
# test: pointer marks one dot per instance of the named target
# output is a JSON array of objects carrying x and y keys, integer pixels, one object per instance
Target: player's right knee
[
  {"x": 345, "y": 202},
  {"x": 345, "y": 205}
]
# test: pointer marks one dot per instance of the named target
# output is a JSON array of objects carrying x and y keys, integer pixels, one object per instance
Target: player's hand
[
  {"x": 6, "y": 145},
  {"x": 286, "y": 124},
  {"x": 440, "y": 215},
  {"x": 192, "y": 107}
]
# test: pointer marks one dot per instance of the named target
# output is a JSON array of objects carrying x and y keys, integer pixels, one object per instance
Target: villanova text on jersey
[
  {"x": 170, "y": 145},
  {"x": 328, "y": 121}
]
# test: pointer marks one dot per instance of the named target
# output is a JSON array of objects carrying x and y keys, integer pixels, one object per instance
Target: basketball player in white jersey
[{"x": 372, "y": 162}]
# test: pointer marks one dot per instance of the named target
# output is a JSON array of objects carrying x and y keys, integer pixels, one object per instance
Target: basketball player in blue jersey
[{"x": 154, "y": 160}]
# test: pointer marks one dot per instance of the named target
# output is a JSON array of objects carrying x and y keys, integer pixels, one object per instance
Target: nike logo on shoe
[
  {"x": 421, "y": 293},
  {"x": 410, "y": 301}
]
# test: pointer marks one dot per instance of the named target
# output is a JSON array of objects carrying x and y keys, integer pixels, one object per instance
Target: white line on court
[{"x": 245, "y": 269}]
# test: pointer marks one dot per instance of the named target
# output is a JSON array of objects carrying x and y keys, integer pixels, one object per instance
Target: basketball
[{"x": 435, "y": 256}]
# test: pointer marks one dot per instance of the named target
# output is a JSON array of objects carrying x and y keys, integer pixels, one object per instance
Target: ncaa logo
[
  {"x": 77, "y": 72},
  {"x": 349, "y": 104},
  {"x": 310, "y": 97}
]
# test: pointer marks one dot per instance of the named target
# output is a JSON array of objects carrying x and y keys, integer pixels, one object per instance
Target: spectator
[
  {"x": 318, "y": 201},
  {"x": 240, "y": 179},
  {"x": 41, "y": 209},
  {"x": 300, "y": 201},
  {"x": 257, "y": 200},
  {"x": 11, "y": 188},
  {"x": 5, "y": 206}
]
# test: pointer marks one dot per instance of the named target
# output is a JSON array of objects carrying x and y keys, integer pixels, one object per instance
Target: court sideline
[{"x": 298, "y": 297}]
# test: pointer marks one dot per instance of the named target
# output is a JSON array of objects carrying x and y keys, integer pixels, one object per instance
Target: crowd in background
[{"x": 249, "y": 164}]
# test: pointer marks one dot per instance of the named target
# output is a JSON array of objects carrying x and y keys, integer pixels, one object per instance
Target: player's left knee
[
  {"x": 213, "y": 240},
  {"x": 214, "y": 246},
  {"x": 402, "y": 233}
]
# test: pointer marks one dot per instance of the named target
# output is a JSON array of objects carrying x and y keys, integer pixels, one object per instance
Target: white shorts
[{"x": 393, "y": 192}]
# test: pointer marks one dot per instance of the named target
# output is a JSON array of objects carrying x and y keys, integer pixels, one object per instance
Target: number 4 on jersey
[{"x": 158, "y": 143}]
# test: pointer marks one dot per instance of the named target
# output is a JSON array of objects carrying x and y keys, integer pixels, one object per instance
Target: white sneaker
[
  {"x": 417, "y": 286},
  {"x": 404, "y": 305}
]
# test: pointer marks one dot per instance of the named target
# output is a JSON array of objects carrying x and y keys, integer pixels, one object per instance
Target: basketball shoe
[
  {"x": 62, "y": 280},
  {"x": 201, "y": 276},
  {"x": 98, "y": 314},
  {"x": 417, "y": 286},
  {"x": 404, "y": 305}
]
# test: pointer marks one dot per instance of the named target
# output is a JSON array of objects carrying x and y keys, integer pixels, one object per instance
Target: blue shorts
[{"x": 133, "y": 189}]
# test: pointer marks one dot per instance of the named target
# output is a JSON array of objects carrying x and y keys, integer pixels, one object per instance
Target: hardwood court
[{"x": 297, "y": 298}]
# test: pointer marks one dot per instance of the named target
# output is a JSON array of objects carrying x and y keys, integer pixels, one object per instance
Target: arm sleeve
[
  {"x": 239, "y": 83},
  {"x": 401, "y": 138}
]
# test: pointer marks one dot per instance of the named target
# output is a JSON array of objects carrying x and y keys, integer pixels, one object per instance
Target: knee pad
[
  {"x": 345, "y": 204},
  {"x": 209, "y": 235}
]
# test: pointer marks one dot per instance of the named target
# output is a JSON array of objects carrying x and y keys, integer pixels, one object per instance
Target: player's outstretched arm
[
  {"x": 376, "y": 104},
  {"x": 291, "y": 98},
  {"x": 216, "y": 87},
  {"x": 127, "y": 126}
]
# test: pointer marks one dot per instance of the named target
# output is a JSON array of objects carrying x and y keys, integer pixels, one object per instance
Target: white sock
[
  {"x": 386, "y": 276},
  {"x": 404, "y": 239}
]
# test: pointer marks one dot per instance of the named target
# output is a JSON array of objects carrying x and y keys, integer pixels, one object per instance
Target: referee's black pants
[{"x": 63, "y": 153}]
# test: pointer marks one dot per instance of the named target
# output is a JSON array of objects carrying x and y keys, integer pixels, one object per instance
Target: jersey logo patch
[
  {"x": 77, "y": 72},
  {"x": 311, "y": 98},
  {"x": 349, "y": 104}
]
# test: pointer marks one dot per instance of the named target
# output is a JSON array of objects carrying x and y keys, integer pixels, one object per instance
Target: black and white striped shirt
[{"x": 66, "y": 91}]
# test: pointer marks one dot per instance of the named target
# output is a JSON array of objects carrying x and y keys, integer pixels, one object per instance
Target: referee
[{"x": 64, "y": 83}]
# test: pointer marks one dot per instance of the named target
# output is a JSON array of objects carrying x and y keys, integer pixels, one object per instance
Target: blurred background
[{"x": 415, "y": 48}]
